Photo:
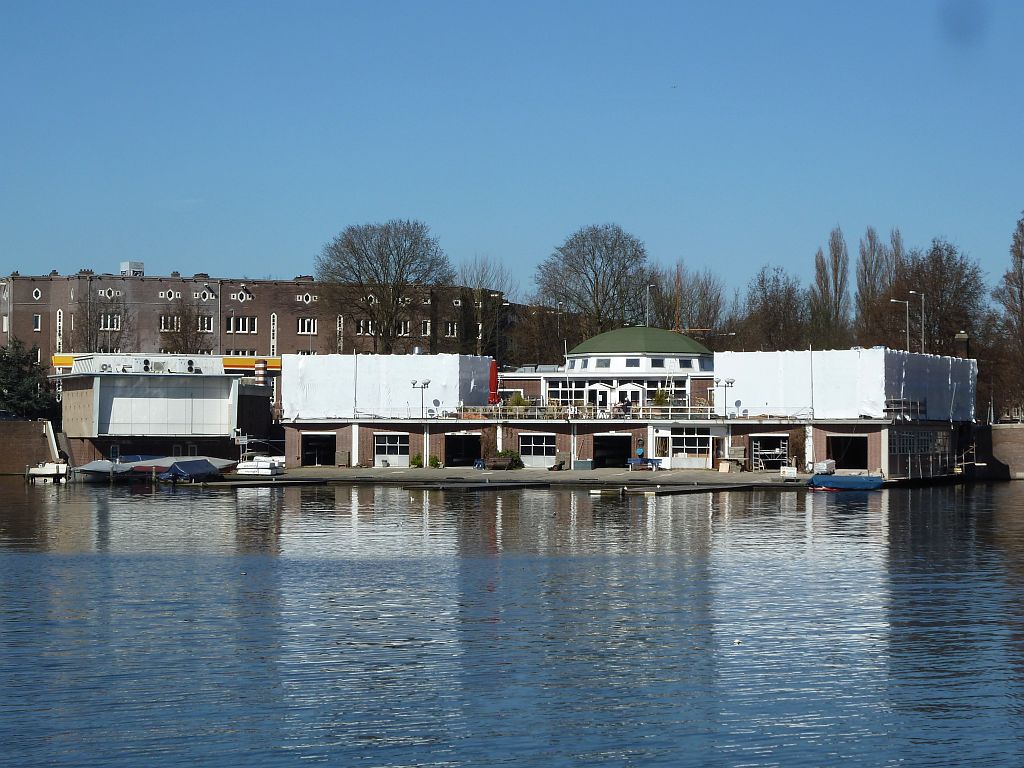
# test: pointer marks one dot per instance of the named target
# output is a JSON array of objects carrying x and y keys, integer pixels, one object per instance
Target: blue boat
[
  {"x": 190, "y": 470},
  {"x": 846, "y": 482}
]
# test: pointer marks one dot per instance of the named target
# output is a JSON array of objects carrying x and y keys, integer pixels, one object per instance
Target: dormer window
[
  {"x": 584, "y": 363},
  {"x": 685, "y": 362},
  {"x": 603, "y": 362},
  {"x": 657, "y": 362},
  {"x": 632, "y": 362}
]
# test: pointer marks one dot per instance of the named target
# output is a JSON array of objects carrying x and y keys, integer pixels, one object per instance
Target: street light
[
  {"x": 647, "y": 310},
  {"x": 725, "y": 384},
  {"x": 421, "y": 386},
  {"x": 921, "y": 294},
  {"x": 426, "y": 426},
  {"x": 906, "y": 305}
]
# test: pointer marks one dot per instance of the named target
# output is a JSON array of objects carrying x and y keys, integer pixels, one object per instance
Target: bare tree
[
  {"x": 485, "y": 273},
  {"x": 691, "y": 302},
  {"x": 186, "y": 329},
  {"x": 540, "y": 335},
  {"x": 954, "y": 289},
  {"x": 380, "y": 269},
  {"x": 599, "y": 274},
  {"x": 1010, "y": 296},
  {"x": 493, "y": 290},
  {"x": 102, "y": 323},
  {"x": 876, "y": 270},
  {"x": 829, "y": 298},
  {"x": 776, "y": 311}
]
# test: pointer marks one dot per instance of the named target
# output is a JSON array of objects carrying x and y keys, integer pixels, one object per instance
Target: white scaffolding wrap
[
  {"x": 317, "y": 387},
  {"x": 873, "y": 383}
]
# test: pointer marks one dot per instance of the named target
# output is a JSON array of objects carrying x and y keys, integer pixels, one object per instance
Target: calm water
[{"x": 380, "y": 627}]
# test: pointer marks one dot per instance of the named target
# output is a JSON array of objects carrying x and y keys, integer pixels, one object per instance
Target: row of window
[
  {"x": 398, "y": 445},
  {"x": 234, "y": 324},
  {"x": 632, "y": 362},
  {"x": 172, "y": 323},
  {"x": 404, "y": 328},
  {"x": 918, "y": 442}
]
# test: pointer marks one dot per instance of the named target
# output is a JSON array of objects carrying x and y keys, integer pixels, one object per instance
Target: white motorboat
[
  {"x": 263, "y": 466},
  {"x": 48, "y": 472}
]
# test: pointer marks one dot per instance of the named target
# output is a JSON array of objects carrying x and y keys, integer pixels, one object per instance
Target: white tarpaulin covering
[
  {"x": 318, "y": 387},
  {"x": 846, "y": 383},
  {"x": 188, "y": 405}
]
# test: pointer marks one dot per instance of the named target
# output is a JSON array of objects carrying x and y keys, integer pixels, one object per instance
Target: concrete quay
[{"x": 452, "y": 478}]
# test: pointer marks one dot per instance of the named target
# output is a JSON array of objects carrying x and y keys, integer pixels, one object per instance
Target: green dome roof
[{"x": 640, "y": 340}]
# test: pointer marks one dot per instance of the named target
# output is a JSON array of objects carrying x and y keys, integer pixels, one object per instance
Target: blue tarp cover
[{"x": 189, "y": 469}]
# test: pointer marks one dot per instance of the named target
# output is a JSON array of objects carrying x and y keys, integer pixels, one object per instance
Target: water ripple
[{"x": 374, "y": 626}]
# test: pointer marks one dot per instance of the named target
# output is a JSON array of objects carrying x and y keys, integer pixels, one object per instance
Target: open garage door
[
  {"x": 611, "y": 450},
  {"x": 848, "y": 451},
  {"x": 461, "y": 450},
  {"x": 318, "y": 450}
]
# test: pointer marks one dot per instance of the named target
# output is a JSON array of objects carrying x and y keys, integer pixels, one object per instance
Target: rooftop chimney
[{"x": 962, "y": 345}]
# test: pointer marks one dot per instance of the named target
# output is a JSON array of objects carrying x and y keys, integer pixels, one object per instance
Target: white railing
[
  {"x": 554, "y": 411},
  {"x": 587, "y": 412}
]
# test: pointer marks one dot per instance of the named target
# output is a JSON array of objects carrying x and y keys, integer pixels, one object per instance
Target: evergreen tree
[{"x": 23, "y": 385}]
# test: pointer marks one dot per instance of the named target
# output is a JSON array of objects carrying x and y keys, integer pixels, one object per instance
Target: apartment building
[{"x": 132, "y": 312}]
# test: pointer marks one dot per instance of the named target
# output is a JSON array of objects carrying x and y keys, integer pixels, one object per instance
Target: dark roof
[{"x": 640, "y": 340}]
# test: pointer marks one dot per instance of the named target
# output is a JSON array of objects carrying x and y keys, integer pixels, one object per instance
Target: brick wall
[
  {"x": 1006, "y": 452},
  {"x": 86, "y": 449},
  {"x": 22, "y": 443},
  {"x": 872, "y": 432},
  {"x": 741, "y": 438}
]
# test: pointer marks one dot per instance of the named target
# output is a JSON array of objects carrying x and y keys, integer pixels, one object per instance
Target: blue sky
[{"x": 238, "y": 137}]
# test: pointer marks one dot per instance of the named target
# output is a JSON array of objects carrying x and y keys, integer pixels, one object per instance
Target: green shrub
[
  {"x": 435, "y": 462},
  {"x": 416, "y": 461},
  {"x": 517, "y": 400},
  {"x": 517, "y": 460}
]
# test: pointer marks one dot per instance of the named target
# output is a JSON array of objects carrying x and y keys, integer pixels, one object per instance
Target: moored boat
[
  {"x": 148, "y": 467},
  {"x": 268, "y": 466},
  {"x": 846, "y": 482},
  {"x": 47, "y": 472}
]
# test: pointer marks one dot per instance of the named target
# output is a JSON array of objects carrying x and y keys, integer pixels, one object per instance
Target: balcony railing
[
  {"x": 556, "y": 412},
  {"x": 586, "y": 412}
]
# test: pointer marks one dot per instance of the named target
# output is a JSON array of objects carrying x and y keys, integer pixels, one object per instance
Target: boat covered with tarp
[
  {"x": 190, "y": 470},
  {"x": 846, "y": 482},
  {"x": 139, "y": 467}
]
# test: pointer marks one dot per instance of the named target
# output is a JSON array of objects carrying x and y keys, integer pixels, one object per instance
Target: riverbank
[{"x": 592, "y": 478}]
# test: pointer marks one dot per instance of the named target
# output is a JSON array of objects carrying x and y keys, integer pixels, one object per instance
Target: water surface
[{"x": 381, "y": 627}]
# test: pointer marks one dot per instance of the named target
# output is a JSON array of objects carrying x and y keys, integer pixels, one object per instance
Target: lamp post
[
  {"x": 421, "y": 386},
  {"x": 647, "y": 308},
  {"x": 921, "y": 294},
  {"x": 725, "y": 384},
  {"x": 426, "y": 427},
  {"x": 906, "y": 305}
]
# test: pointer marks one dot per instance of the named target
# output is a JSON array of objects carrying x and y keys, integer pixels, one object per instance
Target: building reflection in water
[{"x": 372, "y": 614}]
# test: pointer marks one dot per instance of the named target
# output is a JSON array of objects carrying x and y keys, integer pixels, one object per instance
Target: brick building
[{"x": 132, "y": 312}]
